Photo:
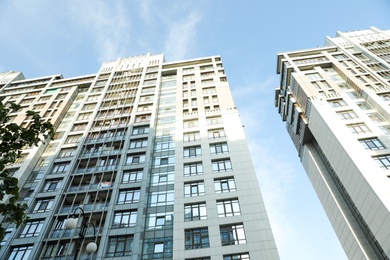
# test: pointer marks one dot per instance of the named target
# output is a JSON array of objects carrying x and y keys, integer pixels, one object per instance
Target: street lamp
[{"x": 71, "y": 223}]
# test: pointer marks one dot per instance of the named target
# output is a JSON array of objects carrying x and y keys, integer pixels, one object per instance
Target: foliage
[{"x": 13, "y": 138}]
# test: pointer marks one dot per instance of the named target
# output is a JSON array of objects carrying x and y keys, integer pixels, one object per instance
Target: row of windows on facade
[
  {"x": 123, "y": 246},
  {"x": 141, "y": 143},
  {"x": 139, "y": 119},
  {"x": 373, "y": 143},
  {"x": 189, "y": 169},
  {"x": 191, "y": 189},
  {"x": 123, "y": 219}
]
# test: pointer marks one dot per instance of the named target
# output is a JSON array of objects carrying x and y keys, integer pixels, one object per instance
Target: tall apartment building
[
  {"x": 155, "y": 155},
  {"x": 335, "y": 101}
]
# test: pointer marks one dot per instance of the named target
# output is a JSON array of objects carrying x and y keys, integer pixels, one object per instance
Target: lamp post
[{"x": 71, "y": 223}]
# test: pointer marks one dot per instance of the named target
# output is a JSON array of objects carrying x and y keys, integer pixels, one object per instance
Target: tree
[{"x": 13, "y": 139}]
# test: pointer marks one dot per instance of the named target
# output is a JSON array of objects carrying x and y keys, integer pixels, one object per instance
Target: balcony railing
[
  {"x": 100, "y": 153},
  {"x": 106, "y": 139},
  {"x": 97, "y": 169},
  {"x": 86, "y": 187},
  {"x": 73, "y": 232},
  {"x": 86, "y": 207}
]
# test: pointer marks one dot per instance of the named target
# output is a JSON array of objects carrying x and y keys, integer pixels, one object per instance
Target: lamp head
[
  {"x": 71, "y": 223},
  {"x": 91, "y": 247}
]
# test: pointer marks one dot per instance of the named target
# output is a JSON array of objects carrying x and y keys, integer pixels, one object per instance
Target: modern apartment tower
[
  {"x": 154, "y": 154},
  {"x": 335, "y": 101}
]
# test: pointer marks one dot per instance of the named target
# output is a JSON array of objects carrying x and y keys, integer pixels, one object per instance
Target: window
[
  {"x": 79, "y": 127},
  {"x": 192, "y": 151},
  {"x": 385, "y": 129},
  {"x": 84, "y": 116},
  {"x": 346, "y": 115},
  {"x": 42, "y": 205},
  {"x": 142, "y": 118},
  {"x": 193, "y": 189},
  {"x": 191, "y": 136},
  {"x": 383, "y": 161},
  {"x": 199, "y": 258},
  {"x": 135, "y": 158},
  {"x": 191, "y": 169},
  {"x": 138, "y": 143},
  {"x": 224, "y": 185},
  {"x": 337, "y": 103},
  {"x": 232, "y": 234},
  {"x": 32, "y": 228},
  {"x": 7, "y": 234},
  {"x": 240, "y": 256},
  {"x": 372, "y": 144},
  {"x": 375, "y": 117},
  {"x": 163, "y": 161},
  {"x": 67, "y": 152},
  {"x": 72, "y": 139},
  {"x": 218, "y": 148},
  {"x": 385, "y": 96},
  {"x": 190, "y": 123},
  {"x": 140, "y": 130},
  {"x": 35, "y": 176},
  {"x": 164, "y": 145},
  {"x": 161, "y": 178},
  {"x": 129, "y": 196},
  {"x": 145, "y": 98},
  {"x": 159, "y": 220},
  {"x": 228, "y": 208},
  {"x": 207, "y": 91},
  {"x": 60, "y": 168},
  {"x": 119, "y": 246},
  {"x": 221, "y": 165},
  {"x": 88, "y": 107},
  {"x": 51, "y": 185},
  {"x": 158, "y": 248},
  {"x": 214, "y": 120},
  {"x": 132, "y": 176},
  {"x": 196, "y": 238},
  {"x": 364, "y": 105},
  {"x": 125, "y": 219},
  {"x": 216, "y": 133},
  {"x": 20, "y": 253},
  {"x": 359, "y": 128},
  {"x": 161, "y": 198},
  {"x": 196, "y": 211}
]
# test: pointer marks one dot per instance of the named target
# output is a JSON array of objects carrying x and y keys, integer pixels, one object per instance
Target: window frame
[
  {"x": 196, "y": 238},
  {"x": 129, "y": 196},
  {"x": 232, "y": 234}
]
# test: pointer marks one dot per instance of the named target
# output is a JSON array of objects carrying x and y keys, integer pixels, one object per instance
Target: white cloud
[
  {"x": 146, "y": 10},
  {"x": 181, "y": 36},
  {"x": 107, "y": 23}
]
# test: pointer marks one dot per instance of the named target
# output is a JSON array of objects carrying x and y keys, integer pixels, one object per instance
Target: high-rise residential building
[
  {"x": 150, "y": 155},
  {"x": 335, "y": 101}
]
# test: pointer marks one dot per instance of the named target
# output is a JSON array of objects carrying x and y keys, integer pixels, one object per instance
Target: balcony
[
  {"x": 86, "y": 207},
  {"x": 96, "y": 169},
  {"x": 87, "y": 187},
  {"x": 100, "y": 153},
  {"x": 65, "y": 233},
  {"x": 106, "y": 139}
]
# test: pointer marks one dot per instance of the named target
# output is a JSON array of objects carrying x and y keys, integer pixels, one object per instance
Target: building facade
[
  {"x": 154, "y": 154},
  {"x": 335, "y": 102}
]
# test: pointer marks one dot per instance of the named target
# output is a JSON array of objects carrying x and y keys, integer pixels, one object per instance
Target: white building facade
[
  {"x": 154, "y": 154},
  {"x": 335, "y": 101}
]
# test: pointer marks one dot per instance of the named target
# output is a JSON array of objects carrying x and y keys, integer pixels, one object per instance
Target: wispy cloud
[
  {"x": 107, "y": 23},
  {"x": 181, "y": 36}
]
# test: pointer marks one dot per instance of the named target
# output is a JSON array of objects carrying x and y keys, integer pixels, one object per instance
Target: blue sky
[{"x": 73, "y": 38}]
